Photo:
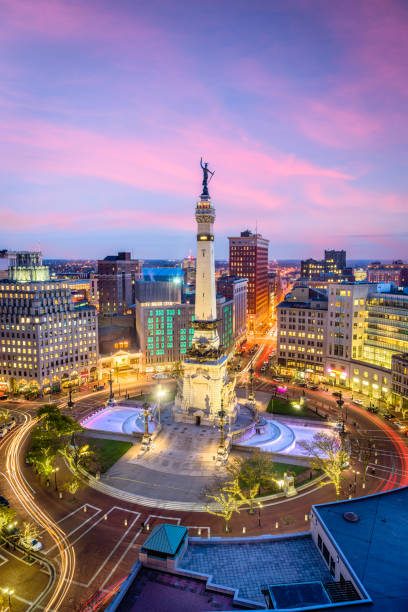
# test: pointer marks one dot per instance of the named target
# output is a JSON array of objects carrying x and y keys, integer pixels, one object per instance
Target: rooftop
[
  {"x": 165, "y": 539},
  {"x": 375, "y": 545}
]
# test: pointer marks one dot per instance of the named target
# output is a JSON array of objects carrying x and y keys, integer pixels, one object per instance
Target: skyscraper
[
  {"x": 248, "y": 256},
  {"x": 117, "y": 275}
]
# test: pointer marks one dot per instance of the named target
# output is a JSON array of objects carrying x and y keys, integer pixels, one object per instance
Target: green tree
[
  {"x": 327, "y": 454},
  {"x": 7, "y": 516},
  {"x": 228, "y": 500},
  {"x": 257, "y": 469},
  {"x": 54, "y": 421},
  {"x": 78, "y": 456},
  {"x": 4, "y": 416},
  {"x": 73, "y": 485}
]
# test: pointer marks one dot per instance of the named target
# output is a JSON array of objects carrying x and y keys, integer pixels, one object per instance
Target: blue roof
[
  {"x": 376, "y": 545},
  {"x": 165, "y": 539}
]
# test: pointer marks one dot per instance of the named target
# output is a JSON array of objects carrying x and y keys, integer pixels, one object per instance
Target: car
[
  {"x": 301, "y": 384},
  {"x": 159, "y": 376},
  {"x": 277, "y": 379},
  {"x": 4, "y": 397},
  {"x": 32, "y": 544},
  {"x": 374, "y": 410},
  {"x": 314, "y": 387},
  {"x": 388, "y": 416},
  {"x": 99, "y": 387},
  {"x": 359, "y": 402},
  {"x": 400, "y": 425},
  {"x": 336, "y": 394}
]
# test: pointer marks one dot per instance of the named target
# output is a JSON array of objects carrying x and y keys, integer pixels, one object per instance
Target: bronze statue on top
[{"x": 206, "y": 172}]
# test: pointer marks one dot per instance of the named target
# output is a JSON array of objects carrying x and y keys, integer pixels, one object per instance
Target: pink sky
[{"x": 106, "y": 109}]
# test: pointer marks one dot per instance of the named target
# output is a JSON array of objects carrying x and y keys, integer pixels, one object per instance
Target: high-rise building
[
  {"x": 189, "y": 268},
  {"x": 235, "y": 289},
  {"x": 397, "y": 273},
  {"x": 117, "y": 275},
  {"x": 158, "y": 291},
  {"x": 248, "y": 257},
  {"x": 331, "y": 269},
  {"x": 302, "y": 318},
  {"x": 44, "y": 339}
]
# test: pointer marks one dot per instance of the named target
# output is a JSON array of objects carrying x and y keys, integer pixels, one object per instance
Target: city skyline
[{"x": 106, "y": 111}]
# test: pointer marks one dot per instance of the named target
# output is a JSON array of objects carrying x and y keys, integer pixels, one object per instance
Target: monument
[{"x": 205, "y": 389}]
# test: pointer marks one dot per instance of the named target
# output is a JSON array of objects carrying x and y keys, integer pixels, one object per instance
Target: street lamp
[
  {"x": 111, "y": 395},
  {"x": 251, "y": 394},
  {"x": 146, "y": 413},
  {"x": 10, "y": 592},
  {"x": 70, "y": 402},
  {"x": 55, "y": 470},
  {"x": 259, "y": 514},
  {"x": 160, "y": 393},
  {"x": 222, "y": 414}
]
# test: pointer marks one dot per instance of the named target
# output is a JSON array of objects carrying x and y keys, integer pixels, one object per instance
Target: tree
[
  {"x": 43, "y": 458},
  {"x": 228, "y": 499},
  {"x": 29, "y": 532},
  {"x": 327, "y": 454},
  {"x": 72, "y": 486},
  {"x": 78, "y": 456},
  {"x": 365, "y": 453},
  {"x": 54, "y": 421},
  {"x": 257, "y": 469},
  {"x": 6, "y": 516},
  {"x": 4, "y": 415}
]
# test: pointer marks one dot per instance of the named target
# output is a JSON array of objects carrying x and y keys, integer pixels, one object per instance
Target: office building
[
  {"x": 189, "y": 268},
  {"x": 331, "y": 269},
  {"x": 302, "y": 318},
  {"x": 399, "y": 372},
  {"x": 397, "y": 273},
  {"x": 44, "y": 340},
  {"x": 165, "y": 330},
  {"x": 117, "y": 275},
  {"x": 248, "y": 258},
  {"x": 235, "y": 289}
]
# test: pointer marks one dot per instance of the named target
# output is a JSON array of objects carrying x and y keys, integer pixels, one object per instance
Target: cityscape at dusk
[{"x": 203, "y": 306}]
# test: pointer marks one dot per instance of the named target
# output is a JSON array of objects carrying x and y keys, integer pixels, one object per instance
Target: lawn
[
  {"x": 107, "y": 451},
  {"x": 278, "y": 405}
]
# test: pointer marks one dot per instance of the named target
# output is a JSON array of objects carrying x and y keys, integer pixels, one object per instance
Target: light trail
[{"x": 26, "y": 498}]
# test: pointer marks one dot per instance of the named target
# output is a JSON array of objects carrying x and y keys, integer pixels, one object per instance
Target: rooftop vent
[{"x": 351, "y": 517}]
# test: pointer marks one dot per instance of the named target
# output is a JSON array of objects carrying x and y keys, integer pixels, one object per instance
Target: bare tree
[
  {"x": 228, "y": 500},
  {"x": 327, "y": 453}
]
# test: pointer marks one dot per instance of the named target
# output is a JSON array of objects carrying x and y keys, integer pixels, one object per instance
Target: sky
[{"x": 300, "y": 107}]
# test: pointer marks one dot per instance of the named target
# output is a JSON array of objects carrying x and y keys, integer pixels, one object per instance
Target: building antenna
[{"x": 256, "y": 227}]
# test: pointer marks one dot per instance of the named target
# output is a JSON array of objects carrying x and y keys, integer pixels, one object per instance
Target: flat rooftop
[
  {"x": 375, "y": 546},
  {"x": 252, "y": 566}
]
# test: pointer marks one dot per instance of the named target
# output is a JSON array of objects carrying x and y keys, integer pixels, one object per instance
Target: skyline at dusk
[{"x": 300, "y": 108}]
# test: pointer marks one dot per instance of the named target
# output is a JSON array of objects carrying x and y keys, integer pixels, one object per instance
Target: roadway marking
[{"x": 98, "y": 510}]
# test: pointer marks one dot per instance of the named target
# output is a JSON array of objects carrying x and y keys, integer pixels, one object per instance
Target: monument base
[{"x": 204, "y": 383}]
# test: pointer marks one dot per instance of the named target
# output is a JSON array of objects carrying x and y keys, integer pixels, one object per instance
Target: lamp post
[
  {"x": 55, "y": 470},
  {"x": 8, "y": 592},
  {"x": 160, "y": 393},
  {"x": 251, "y": 394},
  {"x": 111, "y": 395},
  {"x": 222, "y": 414},
  {"x": 146, "y": 412},
  {"x": 70, "y": 402},
  {"x": 259, "y": 514}
]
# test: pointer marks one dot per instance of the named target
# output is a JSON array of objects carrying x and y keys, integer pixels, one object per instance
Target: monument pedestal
[{"x": 204, "y": 383}]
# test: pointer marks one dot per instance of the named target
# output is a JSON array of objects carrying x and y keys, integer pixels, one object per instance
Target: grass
[
  {"x": 277, "y": 405},
  {"x": 108, "y": 452}
]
